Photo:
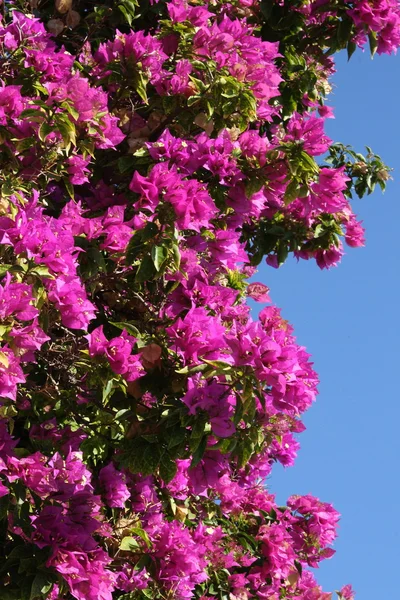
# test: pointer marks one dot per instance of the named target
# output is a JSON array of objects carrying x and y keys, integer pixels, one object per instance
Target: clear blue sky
[{"x": 349, "y": 320}]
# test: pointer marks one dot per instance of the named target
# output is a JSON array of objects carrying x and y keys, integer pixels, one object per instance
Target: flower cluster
[{"x": 152, "y": 155}]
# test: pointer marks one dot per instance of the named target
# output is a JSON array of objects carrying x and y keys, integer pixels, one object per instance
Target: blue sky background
[{"x": 348, "y": 319}]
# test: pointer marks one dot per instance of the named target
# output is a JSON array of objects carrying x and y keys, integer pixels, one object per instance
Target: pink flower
[
  {"x": 17, "y": 299},
  {"x": 10, "y": 373},
  {"x": 85, "y": 574},
  {"x": 118, "y": 351},
  {"x": 216, "y": 400},
  {"x": 198, "y": 335},
  {"x": 329, "y": 258},
  {"x": 309, "y": 132},
  {"x": 71, "y": 300},
  {"x": 258, "y": 292},
  {"x": 277, "y": 547},
  {"x": 326, "y": 112},
  {"x": 77, "y": 169},
  {"x": 346, "y": 593},
  {"x": 113, "y": 482},
  {"x": 355, "y": 233},
  {"x": 97, "y": 342}
]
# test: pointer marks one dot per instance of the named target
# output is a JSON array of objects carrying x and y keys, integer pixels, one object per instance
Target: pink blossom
[
  {"x": 258, "y": 292},
  {"x": 115, "y": 489}
]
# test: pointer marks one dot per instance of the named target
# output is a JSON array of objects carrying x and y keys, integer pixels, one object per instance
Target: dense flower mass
[{"x": 152, "y": 155}]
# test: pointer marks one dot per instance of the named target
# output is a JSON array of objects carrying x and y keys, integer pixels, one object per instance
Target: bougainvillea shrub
[{"x": 152, "y": 155}]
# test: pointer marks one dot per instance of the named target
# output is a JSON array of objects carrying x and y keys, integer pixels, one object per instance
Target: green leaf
[
  {"x": 167, "y": 468},
  {"x": 220, "y": 365},
  {"x": 291, "y": 192},
  {"x": 4, "y": 269},
  {"x": 159, "y": 254},
  {"x": 200, "y": 85},
  {"x": 351, "y": 48},
  {"x": 129, "y": 544},
  {"x": 244, "y": 452},
  {"x": 4, "y": 505},
  {"x": 34, "y": 114},
  {"x": 41, "y": 271},
  {"x": 108, "y": 389},
  {"x": 140, "y": 84},
  {"x": 70, "y": 188},
  {"x": 66, "y": 128},
  {"x": 126, "y": 163},
  {"x": 41, "y": 586},
  {"x": 70, "y": 109},
  {"x": 26, "y": 565},
  {"x": 142, "y": 456},
  {"x": 308, "y": 162},
  {"x": 131, "y": 329},
  {"x": 238, "y": 411},
  {"x": 144, "y": 561},
  {"x": 44, "y": 130},
  {"x": 192, "y": 100},
  {"x": 176, "y": 436},
  {"x": 199, "y": 452},
  {"x": 128, "y": 9},
  {"x": 247, "y": 541},
  {"x": 138, "y": 240},
  {"x": 11, "y": 595},
  {"x": 142, "y": 534},
  {"x": 176, "y": 255},
  {"x": 190, "y": 370},
  {"x": 40, "y": 88},
  {"x": 126, "y": 14},
  {"x": 319, "y": 231},
  {"x": 273, "y": 515},
  {"x": 92, "y": 262},
  {"x": 266, "y": 9},
  {"x": 146, "y": 270},
  {"x": 299, "y": 567},
  {"x": 282, "y": 252},
  {"x": 253, "y": 185},
  {"x": 230, "y": 91},
  {"x": 198, "y": 429},
  {"x": 25, "y": 144},
  {"x": 344, "y": 31},
  {"x": 373, "y": 42},
  {"x": 210, "y": 109}
]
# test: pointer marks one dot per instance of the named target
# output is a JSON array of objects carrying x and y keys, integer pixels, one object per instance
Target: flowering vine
[{"x": 152, "y": 155}]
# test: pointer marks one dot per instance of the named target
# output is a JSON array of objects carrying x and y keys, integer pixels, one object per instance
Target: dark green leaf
[
  {"x": 167, "y": 468},
  {"x": 92, "y": 262},
  {"x": 199, "y": 453},
  {"x": 126, "y": 163},
  {"x": 108, "y": 389},
  {"x": 146, "y": 270},
  {"x": 282, "y": 252},
  {"x": 238, "y": 411},
  {"x": 142, "y": 456},
  {"x": 351, "y": 48},
  {"x": 131, "y": 329},
  {"x": 70, "y": 188},
  {"x": 41, "y": 586},
  {"x": 344, "y": 31},
  {"x": 176, "y": 436}
]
